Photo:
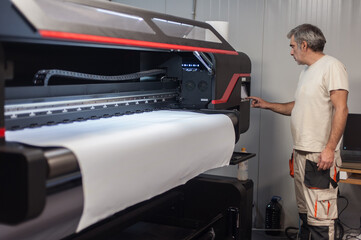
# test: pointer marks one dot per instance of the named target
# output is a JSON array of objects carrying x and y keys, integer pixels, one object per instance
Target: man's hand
[
  {"x": 325, "y": 161},
  {"x": 258, "y": 102},
  {"x": 281, "y": 108}
]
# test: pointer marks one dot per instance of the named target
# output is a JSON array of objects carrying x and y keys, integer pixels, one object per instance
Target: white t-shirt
[{"x": 312, "y": 113}]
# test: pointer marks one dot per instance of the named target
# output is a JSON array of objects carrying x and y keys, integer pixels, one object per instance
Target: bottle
[
  {"x": 243, "y": 168},
  {"x": 273, "y": 216}
]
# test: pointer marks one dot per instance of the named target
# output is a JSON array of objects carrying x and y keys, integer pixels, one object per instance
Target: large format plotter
[{"x": 75, "y": 62}]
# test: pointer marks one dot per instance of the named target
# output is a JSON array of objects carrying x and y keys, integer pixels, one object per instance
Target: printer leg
[
  {"x": 2, "y": 94},
  {"x": 208, "y": 195}
]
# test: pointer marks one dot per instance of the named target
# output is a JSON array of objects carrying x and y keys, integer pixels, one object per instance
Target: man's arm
[
  {"x": 339, "y": 101},
  {"x": 281, "y": 108}
]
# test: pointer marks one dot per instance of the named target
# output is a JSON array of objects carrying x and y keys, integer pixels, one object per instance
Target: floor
[
  {"x": 261, "y": 235},
  {"x": 147, "y": 231},
  {"x": 150, "y": 231}
]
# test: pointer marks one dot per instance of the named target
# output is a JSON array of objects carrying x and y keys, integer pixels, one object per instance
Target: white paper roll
[{"x": 128, "y": 159}]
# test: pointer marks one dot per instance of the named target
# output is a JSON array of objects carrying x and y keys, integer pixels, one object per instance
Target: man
[{"x": 318, "y": 117}]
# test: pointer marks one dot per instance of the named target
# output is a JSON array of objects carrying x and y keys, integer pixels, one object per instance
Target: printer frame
[{"x": 195, "y": 75}]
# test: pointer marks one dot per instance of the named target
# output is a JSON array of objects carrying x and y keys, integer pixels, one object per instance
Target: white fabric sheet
[{"x": 128, "y": 159}]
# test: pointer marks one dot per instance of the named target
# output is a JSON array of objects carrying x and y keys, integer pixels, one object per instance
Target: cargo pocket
[
  {"x": 314, "y": 178},
  {"x": 326, "y": 204}
]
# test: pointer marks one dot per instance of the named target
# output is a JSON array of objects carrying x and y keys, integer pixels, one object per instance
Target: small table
[
  {"x": 354, "y": 169},
  {"x": 239, "y": 157}
]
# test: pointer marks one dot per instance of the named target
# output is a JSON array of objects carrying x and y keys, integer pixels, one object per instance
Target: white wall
[
  {"x": 182, "y": 8},
  {"x": 259, "y": 28}
]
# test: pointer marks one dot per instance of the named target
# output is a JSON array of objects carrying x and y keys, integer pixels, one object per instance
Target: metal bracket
[{"x": 205, "y": 61}]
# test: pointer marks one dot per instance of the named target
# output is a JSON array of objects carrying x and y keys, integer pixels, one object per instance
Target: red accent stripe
[
  {"x": 127, "y": 42},
  {"x": 2, "y": 132},
  {"x": 335, "y": 175},
  {"x": 328, "y": 207},
  {"x": 230, "y": 87},
  {"x": 316, "y": 208}
]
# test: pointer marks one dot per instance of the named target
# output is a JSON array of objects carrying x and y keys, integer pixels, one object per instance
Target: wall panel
[{"x": 340, "y": 22}]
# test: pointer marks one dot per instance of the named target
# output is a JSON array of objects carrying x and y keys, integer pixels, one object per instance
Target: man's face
[{"x": 296, "y": 51}]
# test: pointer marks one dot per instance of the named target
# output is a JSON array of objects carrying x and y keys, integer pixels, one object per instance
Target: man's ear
[{"x": 304, "y": 45}]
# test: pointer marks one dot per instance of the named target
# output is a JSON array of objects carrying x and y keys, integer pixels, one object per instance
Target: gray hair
[{"x": 310, "y": 34}]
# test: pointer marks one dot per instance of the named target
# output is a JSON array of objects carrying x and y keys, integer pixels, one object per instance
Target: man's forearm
[
  {"x": 282, "y": 108},
  {"x": 339, "y": 101},
  {"x": 337, "y": 128}
]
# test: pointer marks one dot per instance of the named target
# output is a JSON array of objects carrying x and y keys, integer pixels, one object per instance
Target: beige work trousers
[{"x": 315, "y": 194}]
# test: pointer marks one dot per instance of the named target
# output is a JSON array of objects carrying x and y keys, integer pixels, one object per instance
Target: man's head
[{"x": 303, "y": 38}]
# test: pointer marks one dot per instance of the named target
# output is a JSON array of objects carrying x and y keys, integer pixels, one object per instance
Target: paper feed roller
[{"x": 34, "y": 171}]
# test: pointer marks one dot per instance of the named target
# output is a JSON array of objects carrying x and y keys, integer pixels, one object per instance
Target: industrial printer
[{"x": 70, "y": 61}]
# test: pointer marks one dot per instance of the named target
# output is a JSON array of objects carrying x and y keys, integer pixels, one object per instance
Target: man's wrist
[{"x": 331, "y": 148}]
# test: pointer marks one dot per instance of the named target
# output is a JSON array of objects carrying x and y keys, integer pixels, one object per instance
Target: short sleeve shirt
[{"x": 312, "y": 113}]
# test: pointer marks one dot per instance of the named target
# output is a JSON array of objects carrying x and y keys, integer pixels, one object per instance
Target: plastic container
[
  {"x": 273, "y": 216},
  {"x": 243, "y": 169}
]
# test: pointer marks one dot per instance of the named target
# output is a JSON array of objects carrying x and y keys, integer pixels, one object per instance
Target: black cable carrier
[{"x": 43, "y": 76}]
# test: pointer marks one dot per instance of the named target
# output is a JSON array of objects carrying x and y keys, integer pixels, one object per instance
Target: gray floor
[
  {"x": 261, "y": 235},
  {"x": 149, "y": 231}
]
